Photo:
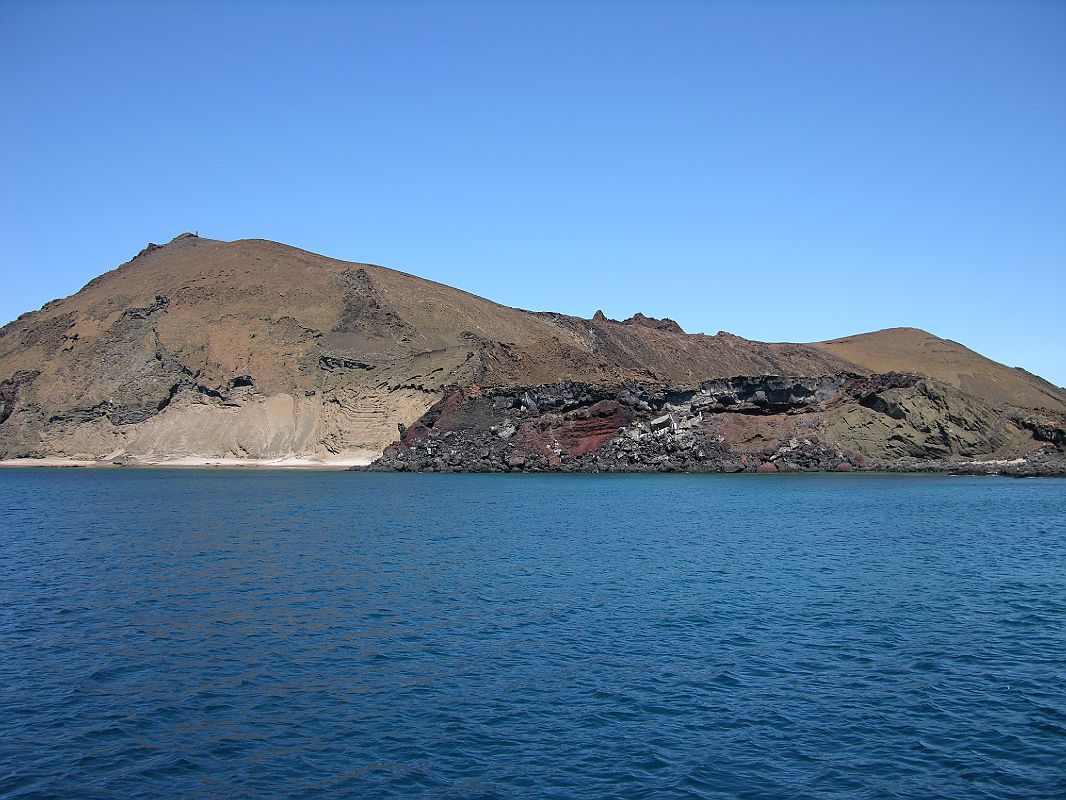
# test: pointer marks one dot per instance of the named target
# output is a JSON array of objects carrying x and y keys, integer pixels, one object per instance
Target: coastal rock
[{"x": 746, "y": 424}]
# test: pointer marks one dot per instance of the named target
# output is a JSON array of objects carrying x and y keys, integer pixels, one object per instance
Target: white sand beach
[{"x": 288, "y": 462}]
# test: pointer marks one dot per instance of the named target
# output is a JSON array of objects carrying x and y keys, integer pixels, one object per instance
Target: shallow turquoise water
[{"x": 214, "y": 633}]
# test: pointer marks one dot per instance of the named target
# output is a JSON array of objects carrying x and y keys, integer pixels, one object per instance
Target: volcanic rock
[{"x": 255, "y": 350}]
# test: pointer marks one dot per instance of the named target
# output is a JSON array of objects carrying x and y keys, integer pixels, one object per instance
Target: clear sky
[{"x": 784, "y": 171}]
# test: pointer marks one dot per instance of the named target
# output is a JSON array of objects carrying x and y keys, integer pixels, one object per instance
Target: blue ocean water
[{"x": 236, "y": 634}]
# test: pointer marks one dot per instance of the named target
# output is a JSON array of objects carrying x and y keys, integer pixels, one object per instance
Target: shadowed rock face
[
  {"x": 258, "y": 350},
  {"x": 10, "y": 389}
]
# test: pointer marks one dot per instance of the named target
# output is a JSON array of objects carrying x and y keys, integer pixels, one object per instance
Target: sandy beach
[{"x": 291, "y": 462}]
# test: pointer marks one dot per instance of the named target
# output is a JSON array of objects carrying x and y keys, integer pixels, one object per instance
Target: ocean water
[{"x": 246, "y": 634}]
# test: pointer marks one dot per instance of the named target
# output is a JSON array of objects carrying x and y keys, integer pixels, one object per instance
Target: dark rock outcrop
[
  {"x": 572, "y": 427},
  {"x": 664, "y": 324},
  {"x": 1044, "y": 429},
  {"x": 9, "y": 391}
]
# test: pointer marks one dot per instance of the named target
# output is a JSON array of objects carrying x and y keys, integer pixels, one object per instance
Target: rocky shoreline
[{"x": 765, "y": 424}]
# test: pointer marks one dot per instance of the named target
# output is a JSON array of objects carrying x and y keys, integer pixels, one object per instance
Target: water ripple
[{"x": 225, "y": 634}]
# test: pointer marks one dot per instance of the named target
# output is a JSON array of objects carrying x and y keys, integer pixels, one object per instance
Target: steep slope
[
  {"x": 256, "y": 350},
  {"x": 914, "y": 350}
]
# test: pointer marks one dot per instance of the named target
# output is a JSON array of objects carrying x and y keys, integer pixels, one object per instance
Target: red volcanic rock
[
  {"x": 843, "y": 466},
  {"x": 452, "y": 411},
  {"x": 416, "y": 433},
  {"x": 767, "y": 468},
  {"x": 579, "y": 436}
]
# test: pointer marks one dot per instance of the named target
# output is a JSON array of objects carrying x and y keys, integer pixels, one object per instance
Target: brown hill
[
  {"x": 914, "y": 350},
  {"x": 256, "y": 350}
]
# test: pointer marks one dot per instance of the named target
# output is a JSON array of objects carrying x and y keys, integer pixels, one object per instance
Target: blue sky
[{"x": 784, "y": 171}]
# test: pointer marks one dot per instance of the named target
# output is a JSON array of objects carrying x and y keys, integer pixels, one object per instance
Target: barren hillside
[{"x": 256, "y": 350}]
